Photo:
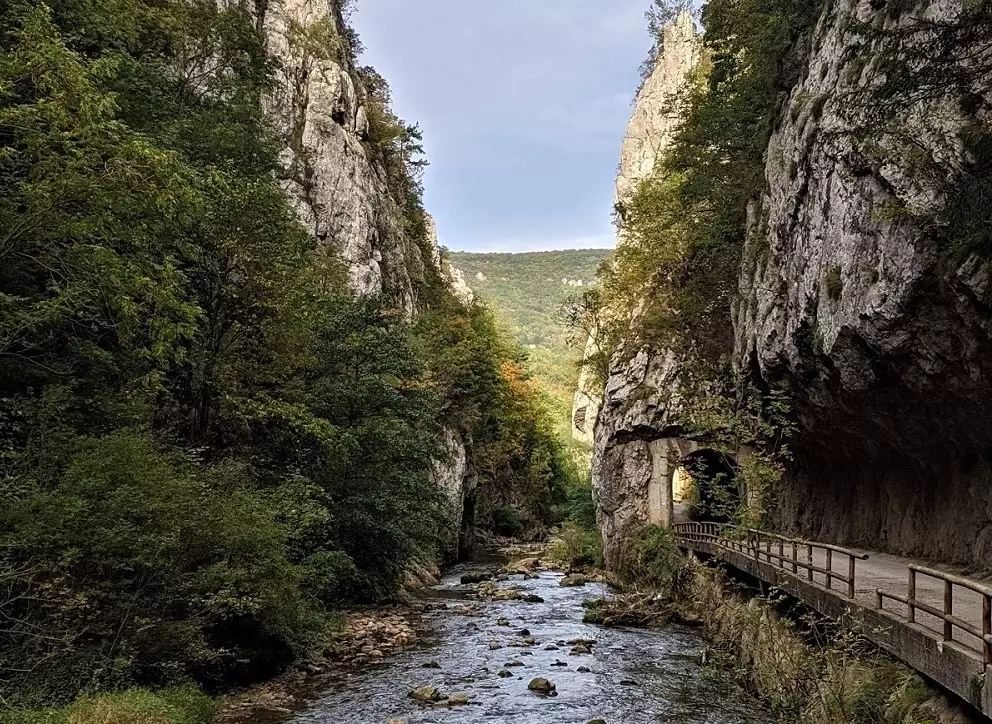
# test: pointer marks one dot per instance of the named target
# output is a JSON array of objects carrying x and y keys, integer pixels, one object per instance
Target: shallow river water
[{"x": 633, "y": 676}]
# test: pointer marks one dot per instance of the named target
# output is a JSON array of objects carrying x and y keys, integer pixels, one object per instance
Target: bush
[
  {"x": 182, "y": 705},
  {"x": 148, "y": 569},
  {"x": 507, "y": 522},
  {"x": 578, "y": 547},
  {"x": 651, "y": 559}
]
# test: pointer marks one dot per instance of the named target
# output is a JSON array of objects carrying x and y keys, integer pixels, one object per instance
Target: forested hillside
[
  {"x": 207, "y": 443},
  {"x": 527, "y": 291}
]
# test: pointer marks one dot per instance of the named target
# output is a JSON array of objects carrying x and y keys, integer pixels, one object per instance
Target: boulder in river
[
  {"x": 426, "y": 694},
  {"x": 572, "y": 580},
  {"x": 542, "y": 686},
  {"x": 476, "y": 577}
]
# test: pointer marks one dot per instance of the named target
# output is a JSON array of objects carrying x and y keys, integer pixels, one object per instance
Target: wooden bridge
[{"x": 936, "y": 622}]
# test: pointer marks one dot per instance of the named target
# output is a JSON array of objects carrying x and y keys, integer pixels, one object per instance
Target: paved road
[{"x": 891, "y": 574}]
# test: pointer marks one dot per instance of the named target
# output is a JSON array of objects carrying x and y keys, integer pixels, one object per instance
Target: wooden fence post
[{"x": 912, "y": 596}]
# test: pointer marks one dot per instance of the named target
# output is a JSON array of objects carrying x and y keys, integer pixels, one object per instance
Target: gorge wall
[
  {"x": 633, "y": 408},
  {"x": 342, "y": 192},
  {"x": 861, "y": 294},
  {"x": 864, "y": 293}
]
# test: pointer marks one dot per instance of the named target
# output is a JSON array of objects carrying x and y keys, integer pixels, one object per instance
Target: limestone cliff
[
  {"x": 865, "y": 293},
  {"x": 338, "y": 188},
  {"x": 861, "y": 296},
  {"x": 341, "y": 190},
  {"x": 633, "y": 412}
]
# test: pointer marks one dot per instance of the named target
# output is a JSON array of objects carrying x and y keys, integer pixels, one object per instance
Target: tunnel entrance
[{"x": 705, "y": 483}]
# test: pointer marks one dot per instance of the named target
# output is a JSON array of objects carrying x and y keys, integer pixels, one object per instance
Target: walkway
[{"x": 933, "y": 620}]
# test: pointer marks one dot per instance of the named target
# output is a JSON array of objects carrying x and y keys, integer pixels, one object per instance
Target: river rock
[
  {"x": 427, "y": 694},
  {"x": 541, "y": 686},
  {"x": 597, "y": 721},
  {"x": 476, "y": 577},
  {"x": 584, "y": 670},
  {"x": 431, "y": 665},
  {"x": 559, "y": 663},
  {"x": 532, "y": 598},
  {"x": 581, "y": 649},
  {"x": 504, "y": 673},
  {"x": 514, "y": 663},
  {"x": 493, "y": 645},
  {"x": 458, "y": 700},
  {"x": 572, "y": 580}
]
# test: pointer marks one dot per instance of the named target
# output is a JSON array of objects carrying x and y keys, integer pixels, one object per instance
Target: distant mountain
[{"x": 527, "y": 290}]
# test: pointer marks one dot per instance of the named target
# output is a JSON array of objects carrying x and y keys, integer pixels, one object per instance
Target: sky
[{"x": 523, "y": 105}]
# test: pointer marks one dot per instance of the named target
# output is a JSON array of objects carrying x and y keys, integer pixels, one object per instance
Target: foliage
[
  {"x": 578, "y": 546},
  {"x": 205, "y": 442},
  {"x": 805, "y": 670},
  {"x": 651, "y": 559},
  {"x": 527, "y": 291},
  {"x": 684, "y": 230},
  {"x": 181, "y": 705},
  {"x": 481, "y": 374}
]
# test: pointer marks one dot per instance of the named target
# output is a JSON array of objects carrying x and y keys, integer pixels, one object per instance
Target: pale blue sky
[{"x": 523, "y": 104}]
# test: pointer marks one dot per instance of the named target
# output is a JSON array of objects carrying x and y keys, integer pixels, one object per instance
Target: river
[{"x": 630, "y": 676}]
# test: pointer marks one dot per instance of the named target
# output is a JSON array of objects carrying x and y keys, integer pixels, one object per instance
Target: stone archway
[
  {"x": 710, "y": 479},
  {"x": 675, "y": 459}
]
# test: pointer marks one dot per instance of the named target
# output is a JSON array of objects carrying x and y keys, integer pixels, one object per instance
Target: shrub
[
  {"x": 578, "y": 547},
  {"x": 507, "y": 522},
  {"x": 149, "y": 570},
  {"x": 651, "y": 559}
]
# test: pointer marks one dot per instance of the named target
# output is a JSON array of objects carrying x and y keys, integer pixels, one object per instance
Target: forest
[
  {"x": 528, "y": 291},
  {"x": 207, "y": 444}
]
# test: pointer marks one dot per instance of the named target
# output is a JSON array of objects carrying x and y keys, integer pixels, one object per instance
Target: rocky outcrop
[
  {"x": 631, "y": 452},
  {"x": 339, "y": 191},
  {"x": 455, "y": 474},
  {"x": 859, "y": 298},
  {"x": 588, "y": 397}
]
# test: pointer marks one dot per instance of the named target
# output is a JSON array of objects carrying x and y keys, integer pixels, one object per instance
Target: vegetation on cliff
[{"x": 206, "y": 443}]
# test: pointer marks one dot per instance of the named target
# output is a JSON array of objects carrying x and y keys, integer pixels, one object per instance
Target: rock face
[
  {"x": 853, "y": 300},
  {"x": 631, "y": 451},
  {"x": 456, "y": 476},
  {"x": 859, "y": 295},
  {"x": 658, "y": 108},
  {"x": 339, "y": 191}
]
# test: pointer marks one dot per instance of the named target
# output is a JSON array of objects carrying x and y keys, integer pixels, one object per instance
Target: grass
[{"x": 179, "y": 705}]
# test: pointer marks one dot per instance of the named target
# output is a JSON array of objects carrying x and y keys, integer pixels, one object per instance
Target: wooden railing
[
  {"x": 983, "y": 632},
  {"x": 777, "y": 550}
]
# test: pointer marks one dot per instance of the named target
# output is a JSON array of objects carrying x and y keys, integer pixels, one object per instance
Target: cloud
[{"x": 523, "y": 104}]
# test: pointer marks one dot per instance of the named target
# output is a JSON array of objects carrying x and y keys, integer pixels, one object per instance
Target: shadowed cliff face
[
  {"x": 858, "y": 299},
  {"x": 865, "y": 292}
]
